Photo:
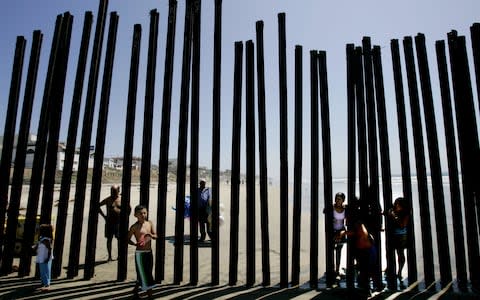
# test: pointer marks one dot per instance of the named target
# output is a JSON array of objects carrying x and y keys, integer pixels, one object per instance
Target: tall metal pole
[
  {"x": 217, "y": 63},
  {"x": 435, "y": 167},
  {"x": 455, "y": 198},
  {"x": 20, "y": 154},
  {"x": 297, "y": 167},
  {"x": 404, "y": 157},
  {"x": 468, "y": 146},
  {"x": 81, "y": 184},
  {"x": 148, "y": 112},
  {"x": 9, "y": 131},
  {"x": 182, "y": 145},
  {"x": 70, "y": 148},
  {"x": 351, "y": 146},
  {"x": 164, "y": 142},
  {"x": 385, "y": 162},
  {"x": 475, "y": 36},
  {"x": 55, "y": 117},
  {"x": 194, "y": 138},
  {"x": 314, "y": 169},
  {"x": 419, "y": 162},
  {"x": 327, "y": 165},
  {"x": 262, "y": 159},
  {"x": 250, "y": 159},
  {"x": 100, "y": 149},
  {"x": 362, "y": 131},
  {"x": 39, "y": 156},
  {"x": 282, "y": 64},
  {"x": 235, "y": 180},
  {"x": 127, "y": 153},
  {"x": 375, "y": 219}
]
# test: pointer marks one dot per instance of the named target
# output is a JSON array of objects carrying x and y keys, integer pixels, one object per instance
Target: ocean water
[{"x": 340, "y": 185}]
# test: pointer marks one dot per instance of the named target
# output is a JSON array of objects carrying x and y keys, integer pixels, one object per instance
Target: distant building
[
  {"x": 30, "y": 153},
  {"x": 117, "y": 163}
]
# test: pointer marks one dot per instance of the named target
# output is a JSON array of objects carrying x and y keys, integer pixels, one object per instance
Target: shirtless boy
[
  {"x": 365, "y": 253},
  {"x": 144, "y": 232}
]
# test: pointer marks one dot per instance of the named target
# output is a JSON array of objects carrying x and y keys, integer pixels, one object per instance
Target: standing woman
[
  {"x": 43, "y": 249},
  {"x": 339, "y": 215},
  {"x": 399, "y": 216}
]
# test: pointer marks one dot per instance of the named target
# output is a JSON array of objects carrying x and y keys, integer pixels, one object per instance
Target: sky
[{"x": 313, "y": 24}]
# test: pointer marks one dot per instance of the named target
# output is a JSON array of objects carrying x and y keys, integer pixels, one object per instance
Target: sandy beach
[
  {"x": 104, "y": 285},
  {"x": 109, "y": 270}
]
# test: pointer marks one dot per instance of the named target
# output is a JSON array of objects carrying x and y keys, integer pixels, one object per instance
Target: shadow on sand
[{"x": 12, "y": 287}]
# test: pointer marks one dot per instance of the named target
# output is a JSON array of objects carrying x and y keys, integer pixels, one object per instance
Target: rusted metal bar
[
  {"x": 127, "y": 153},
  {"x": 314, "y": 169},
  {"x": 217, "y": 63},
  {"x": 419, "y": 162},
  {"x": 351, "y": 145},
  {"x": 194, "y": 138},
  {"x": 39, "y": 156},
  {"x": 297, "y": 167},
  {"x": 148, "y": 110},
  {"x": 282, "y": 63},
  {"x": 385, "y": 162},
  {"x": 404, "y": 157},
  {"x": 455, "y": 198},
  {"x": 182, "y": 145},
  {"x": 56, "y": 104},
  {"x": 164, "y": 142},
  {"x": 81, "y": 184},
  {"x": 475, "y": 37},
  {"x": 235, "y": 179},
  {"x": 9, "y": 131},
  {"x": 262, "y": 159},
  {"x": 100, "y": 149},
  {"x": 361, "y": 131},
  {"x": 468, "y": 146},
  {"x": 20, "y": 154},
  {"x": 250, "y": 159},
  {"x": 67, "y": 172},
  {"x": 327, "y": 165},
  {"x": 374, "y": 223},
  {"x": 435, "y": 167}
]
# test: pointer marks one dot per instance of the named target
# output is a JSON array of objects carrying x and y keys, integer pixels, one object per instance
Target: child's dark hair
[
  {"x": 139, "y": 208},
  {"x": 402, "y": 202},
  {"x": 46, "y": 230},
  {"x": 340, "y": 195}
]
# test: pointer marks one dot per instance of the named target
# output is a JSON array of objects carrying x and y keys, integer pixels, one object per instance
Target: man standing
[
  {"x": 204, "y": 210},
  {"x": 113, "y": 203}
]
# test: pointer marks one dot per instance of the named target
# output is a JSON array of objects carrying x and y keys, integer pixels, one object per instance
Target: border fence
[{"x": 368, "y": 149}]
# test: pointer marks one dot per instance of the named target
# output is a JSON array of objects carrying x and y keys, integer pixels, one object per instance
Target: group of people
[
  {"x": 143, "y": 230},
  {"x": 349, "y": 226}
]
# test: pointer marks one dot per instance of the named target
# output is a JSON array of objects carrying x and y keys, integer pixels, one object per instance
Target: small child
[
  {"x": 365, "y": 253},
  {"x": 144, "y": 232},
  {"x": 43, "y": 250}
]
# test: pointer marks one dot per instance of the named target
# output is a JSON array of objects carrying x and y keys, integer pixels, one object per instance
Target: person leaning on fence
[
  {"x": 399, "y": 216},
  {"x": 43, "y": 249},
  {"x": 144, "y": 232},
  {"x": 204, "y": 210},
  {"x": 339, "y": 216},
  {"x": 113, "y": 204}
]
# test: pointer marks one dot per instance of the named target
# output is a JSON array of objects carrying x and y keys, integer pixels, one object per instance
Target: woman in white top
[
  {"x": 44, "y": 254},
  {"x": 339, "y": 212}
]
